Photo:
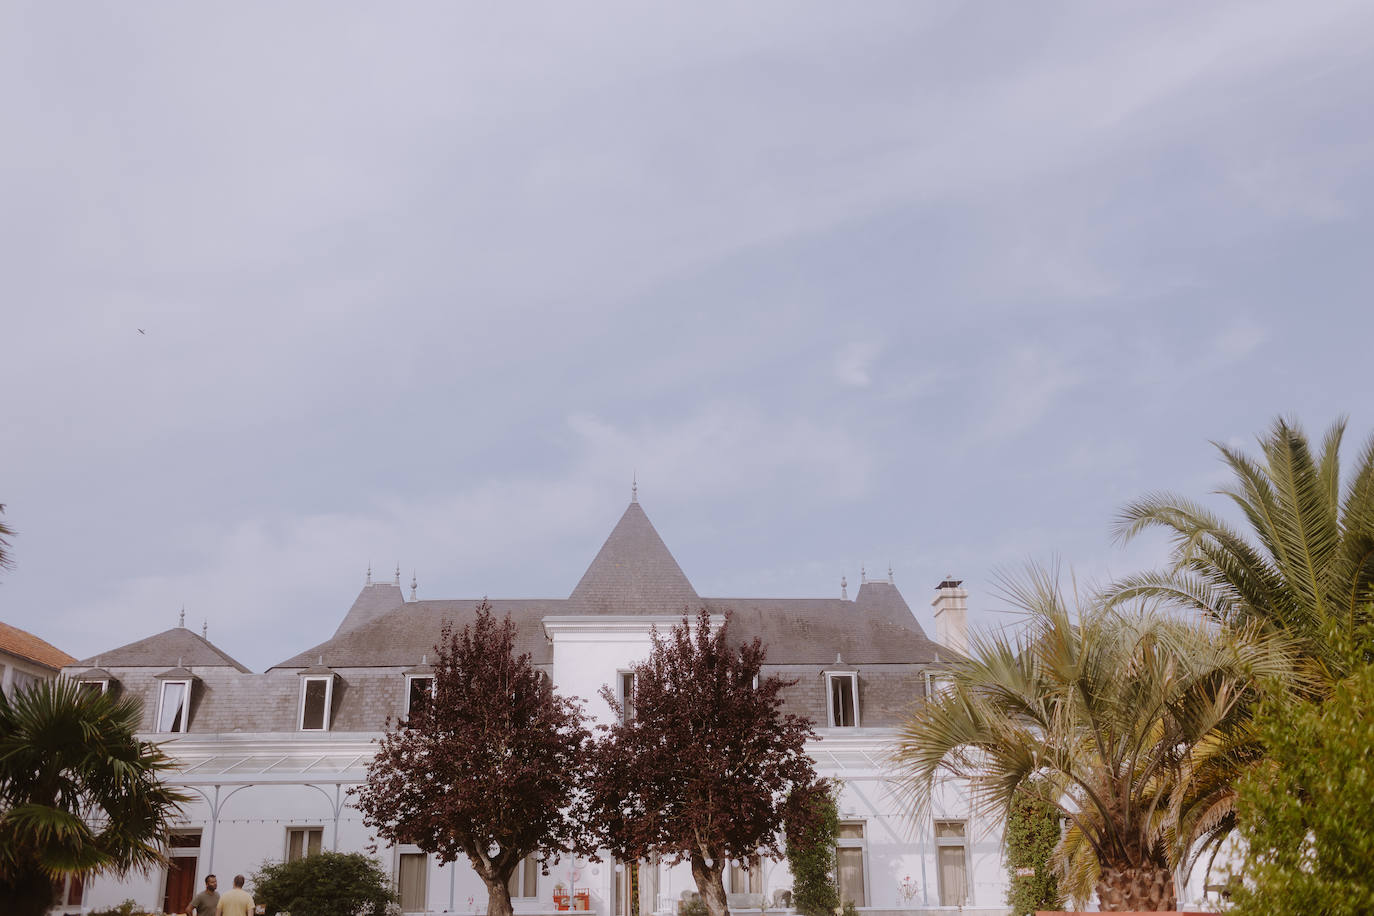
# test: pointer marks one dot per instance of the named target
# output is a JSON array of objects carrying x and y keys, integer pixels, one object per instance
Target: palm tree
[
  {"x": 1111, "y": 718},
  {"x": 1307, "y": 569},
  {"x": 5, "y": 534},
  {"x": 79, "y": 793}
]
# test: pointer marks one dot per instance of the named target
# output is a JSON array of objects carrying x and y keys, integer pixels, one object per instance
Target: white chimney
[{"x": 951, "y": 615}]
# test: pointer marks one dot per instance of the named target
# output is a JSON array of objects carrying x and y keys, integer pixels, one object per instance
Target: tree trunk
[
  {"x": 26, "y": 893},
  {"x": 1148, "y": 888},
  {"x": 710, "y": 885},
  {"x": 498, "y": 897}
]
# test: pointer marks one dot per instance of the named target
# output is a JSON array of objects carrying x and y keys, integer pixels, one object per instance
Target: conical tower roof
[{"x": 634, "y": 574}]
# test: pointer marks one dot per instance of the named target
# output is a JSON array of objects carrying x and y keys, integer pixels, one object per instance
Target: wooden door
[{"x": 181, "y": 884}]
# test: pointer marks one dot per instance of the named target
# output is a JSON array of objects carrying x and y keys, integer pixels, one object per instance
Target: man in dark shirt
[{"x": 205, "y": 902}]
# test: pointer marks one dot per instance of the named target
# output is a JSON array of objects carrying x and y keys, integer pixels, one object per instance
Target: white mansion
[{"x": 269, "y": 757}]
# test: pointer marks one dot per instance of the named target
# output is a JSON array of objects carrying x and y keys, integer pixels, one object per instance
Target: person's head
[
  {"x": 238, "y": 880},
  {"x": 211, "y": 882}
]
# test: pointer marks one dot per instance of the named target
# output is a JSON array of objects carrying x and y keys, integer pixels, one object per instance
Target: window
[
  {"x": 179, "y": 882},
  {"x": 627, "y": 696},
  {"x": 524, "y": 881},
  {"x": 303, "y": 841},
  {"x": 747, "y": 877},
  {"x": 938, "y": 684},
  {"x": 849, "y": 864},
  {"x": 316, "y": 693},
  {"x": 411, "y": 872},
  {"x": 68, "y": 890},
  {"x": 842, "y": 700},
  {"x": 419, "y": 690},
  {"x": 92, "y": 686},
  {"x": 952, "y": 862},
  {"x": 174, "y": 707}
]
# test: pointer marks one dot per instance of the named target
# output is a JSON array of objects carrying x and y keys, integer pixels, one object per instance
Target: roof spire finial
[
  {"x": 181, "y": 621},
  {"x": 413, "y": 585},
  {"x": 369, "y": 572},
  {"x": 890, "y": 580},
  {"x": 863, "y": 576},
  {"x": 844, "y": 589},
  {"x": 397, "y": 580},
  {"x": 205, "y": 629},
  {"x": 634, "y": 486}
]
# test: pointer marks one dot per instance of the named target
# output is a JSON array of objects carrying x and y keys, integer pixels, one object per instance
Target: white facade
[{"x": 254, "y": 787}]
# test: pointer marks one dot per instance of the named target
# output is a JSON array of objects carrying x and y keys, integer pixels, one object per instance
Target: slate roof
[
  {"x": 170, "y": 648},
  {"x": 25, "y": 645},
  {"x": 634, "y": 573},
  {"x": 375, "y": 600}
]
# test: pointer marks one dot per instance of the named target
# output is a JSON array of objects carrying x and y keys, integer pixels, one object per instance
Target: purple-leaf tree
[
  {"x": 702, "y": 761},
  {"x": 489, "y": 768}
]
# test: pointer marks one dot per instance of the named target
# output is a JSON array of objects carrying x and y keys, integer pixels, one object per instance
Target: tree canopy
[
  {"x": 489, "y": 769},
  {"x": 701, "y": 767},
  {"x": 1306, "y": 568},
  {"x": 79, "y": 793}
]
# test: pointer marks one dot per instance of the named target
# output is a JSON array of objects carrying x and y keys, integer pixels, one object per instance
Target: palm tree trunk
[{"x": 1147, "y": 888}]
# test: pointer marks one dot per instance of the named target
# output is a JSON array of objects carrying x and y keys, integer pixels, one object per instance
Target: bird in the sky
[{"x": 141, "y": 331}]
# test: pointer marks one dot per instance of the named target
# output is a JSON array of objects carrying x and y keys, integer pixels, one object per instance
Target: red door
[{"x": 181, "y": 884}]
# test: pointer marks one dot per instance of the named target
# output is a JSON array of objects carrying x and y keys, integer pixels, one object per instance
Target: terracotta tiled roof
[{"x": 24, "y": 644}]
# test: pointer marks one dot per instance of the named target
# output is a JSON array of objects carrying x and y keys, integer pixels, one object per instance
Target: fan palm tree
[
  {"x": 1110, "y": 715},
  {"x": 79, "y": 793},
  {"x": 1307, "y": 568},
  {"x": 5, "y": 534}
]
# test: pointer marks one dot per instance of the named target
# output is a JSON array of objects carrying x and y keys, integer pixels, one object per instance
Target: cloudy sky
[{"x": 939, "y": 286}]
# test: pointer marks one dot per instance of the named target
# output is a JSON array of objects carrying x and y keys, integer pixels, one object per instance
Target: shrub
[
  {"x": 129, "y": 907},
  {"x": 324, "y": 884},
  {"x": 1032, "y": 834},
  {"x": 813, "y": 822},
  {"x": 1307, "y": 815}
]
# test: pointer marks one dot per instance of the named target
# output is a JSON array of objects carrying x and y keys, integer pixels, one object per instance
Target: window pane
[
  {"x": 949, "y": 828},
  {"x": 75, "y": 888},
  {"x": 842, "y": 701},
  {"x": 849, "y": 862},
  {"x": 531, "y": 886},
  {"x": 173, "y": 707},
  {"x": 953, "y": 882},
  {"x": 295, "y": 842},
  {"x": 184, "y": 840},
  {"x": 91, "y": 686},
  {"x": 410, "y": 882},
  {"x": 851, "y": 832},
  {"x": 315, "y": 690},
  {"x": 627, "y": 693},
  {"x": 420, "y": 688},
  {"x": 312, "y": 846}
]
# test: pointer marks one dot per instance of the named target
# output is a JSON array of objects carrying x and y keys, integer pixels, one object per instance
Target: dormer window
[
  {"x": 98, "y": 680},
  {"x": 419, "y": 691},
  {"x": 174, "y": 699},
  {"x": 317, "y": 694},
  {"x": 174, "y": 706},
  {"x": 842, "y": 699}
]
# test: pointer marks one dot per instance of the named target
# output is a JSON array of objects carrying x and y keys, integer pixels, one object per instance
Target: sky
[{"x": 288, "y": 290}]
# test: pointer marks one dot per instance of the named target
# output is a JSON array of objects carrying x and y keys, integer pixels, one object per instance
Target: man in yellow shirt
[{"x": 236, "y": 902}]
